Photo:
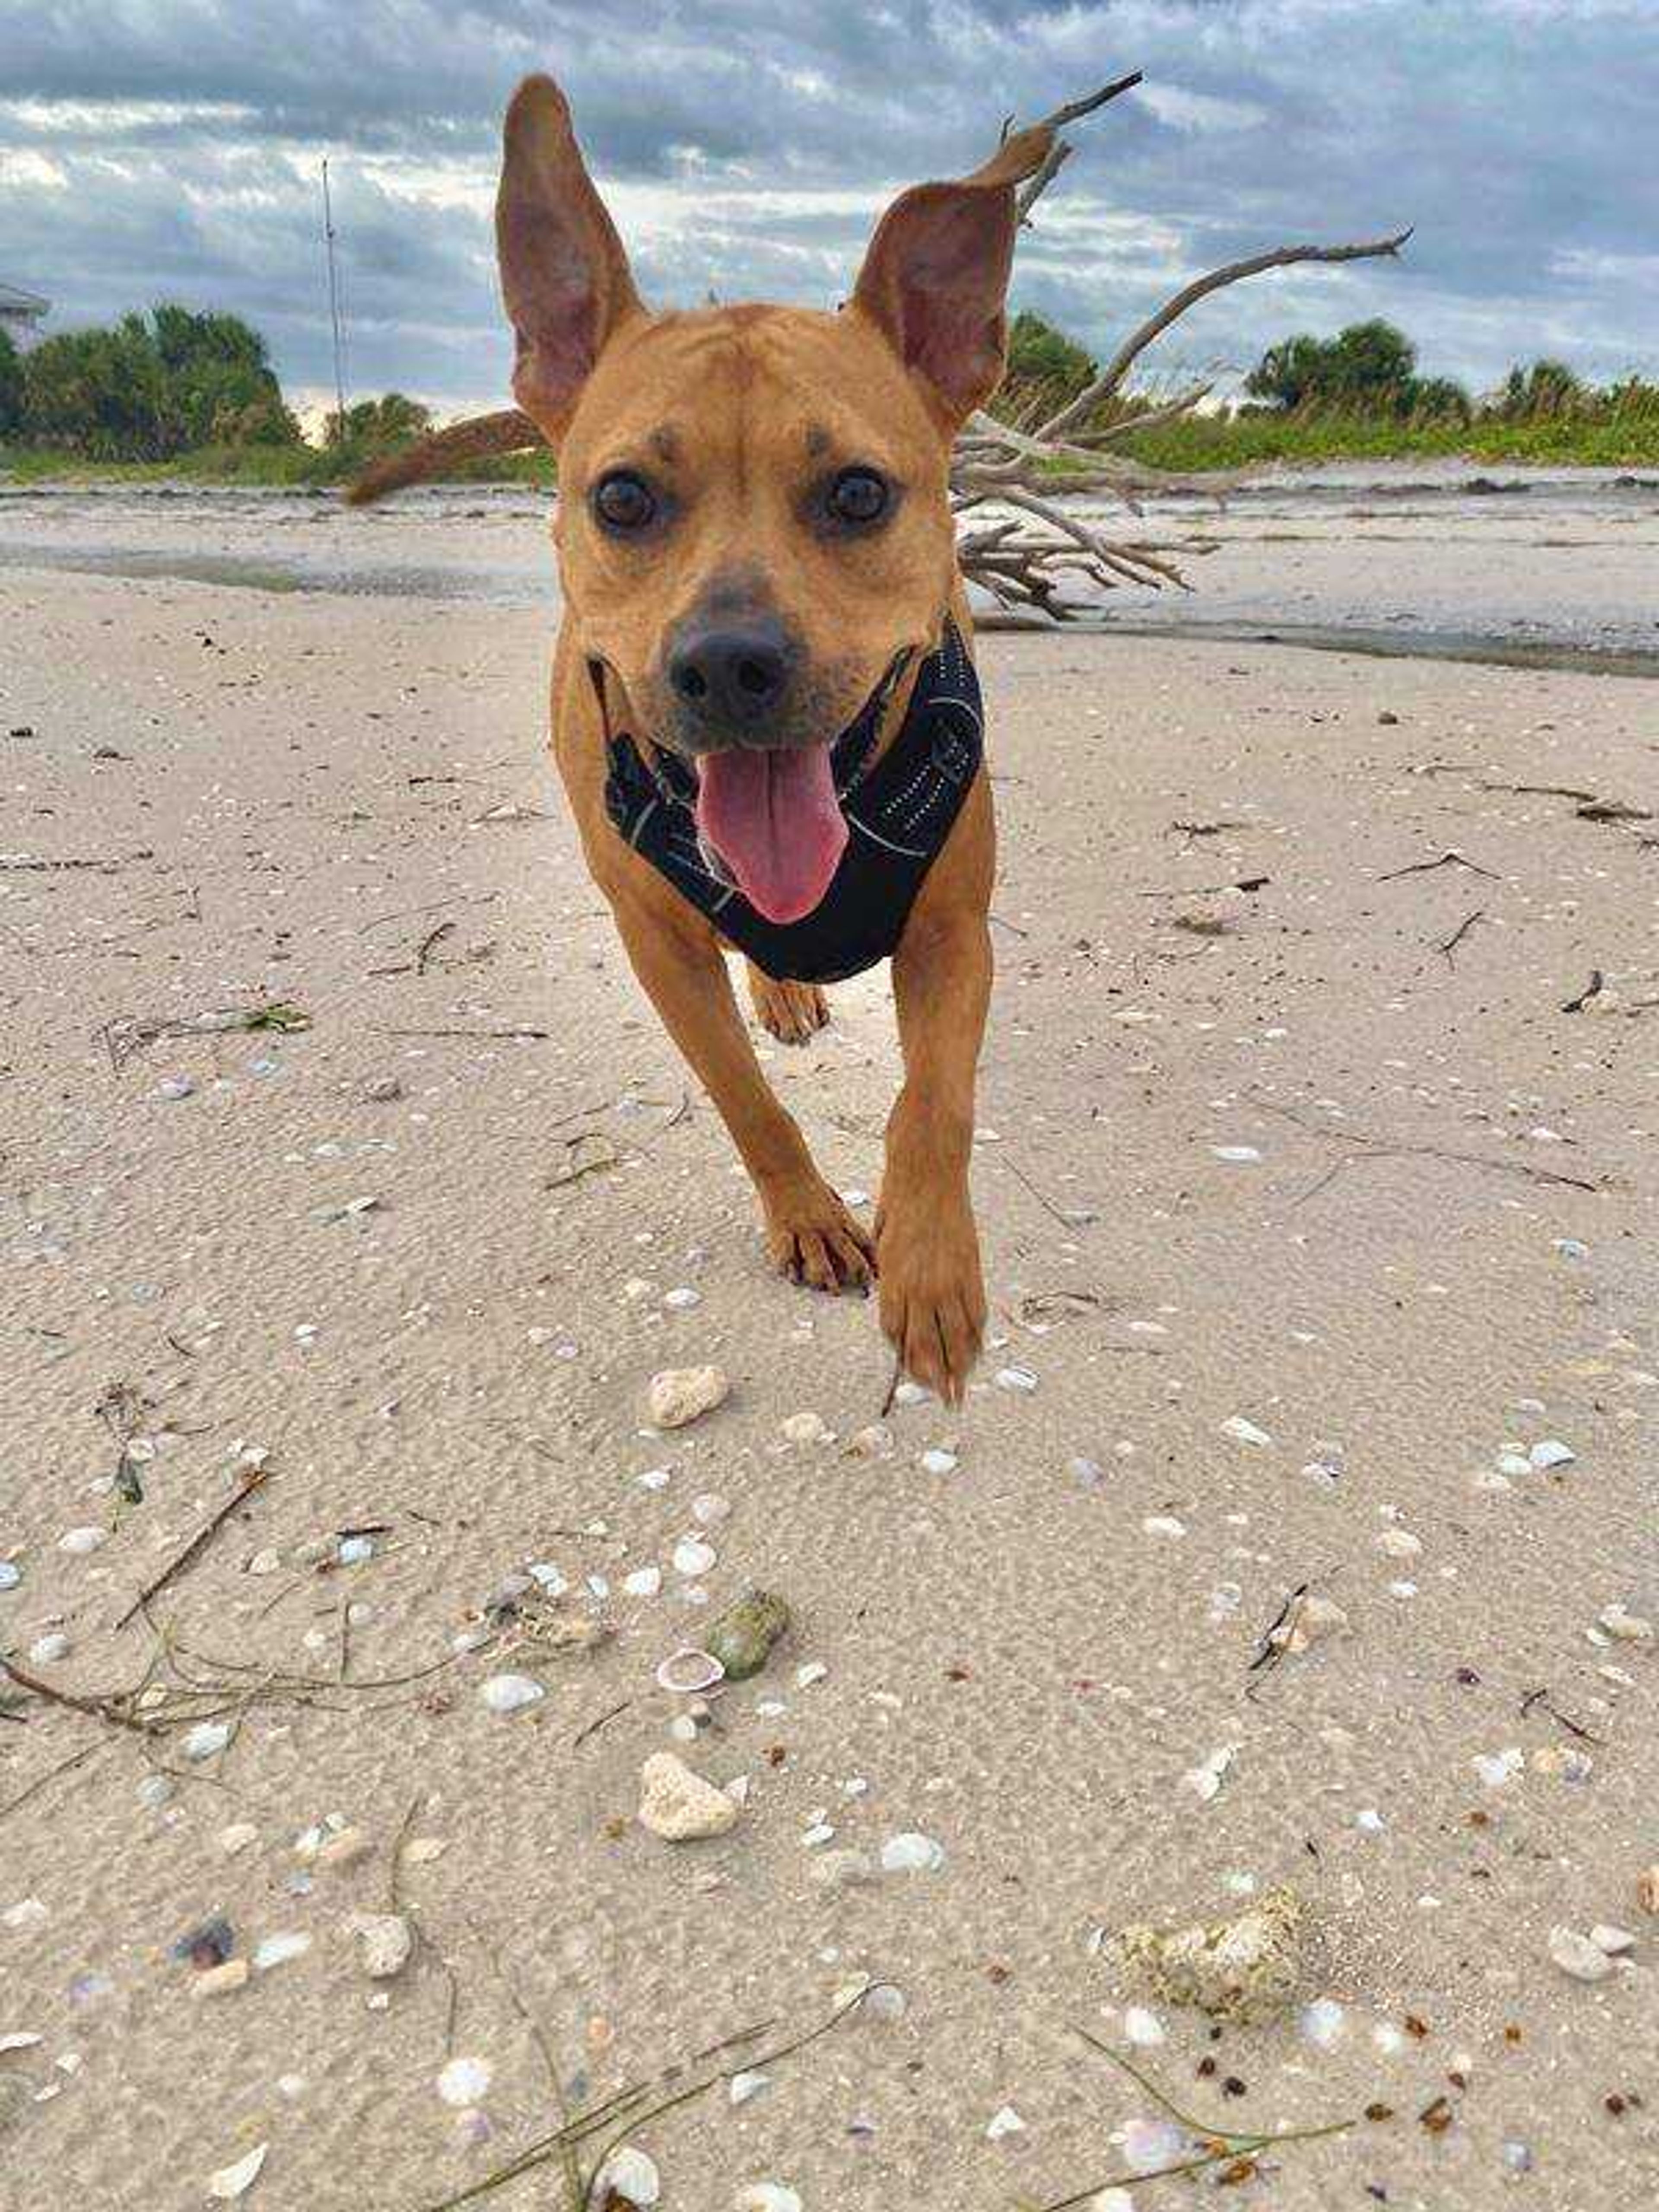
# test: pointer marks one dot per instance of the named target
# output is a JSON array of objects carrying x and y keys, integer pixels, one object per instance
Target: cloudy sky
[{"x": 154, "y": 149}]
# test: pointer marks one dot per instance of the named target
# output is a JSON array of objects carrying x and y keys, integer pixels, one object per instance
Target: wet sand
[{"x": 1325, "y": 1158}]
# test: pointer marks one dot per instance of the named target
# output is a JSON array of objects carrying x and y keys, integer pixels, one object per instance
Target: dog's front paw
[
  {"x": 812, "y": 1238},
  {"x": 793, "y": 1012},
  {"x": 933, "y": 1295}
]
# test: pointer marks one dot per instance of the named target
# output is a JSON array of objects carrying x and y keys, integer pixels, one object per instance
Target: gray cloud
[{"x": 169, "y": 147}]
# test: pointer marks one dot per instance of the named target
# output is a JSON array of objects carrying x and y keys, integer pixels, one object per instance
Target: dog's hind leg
[
  {"x": 810, "y": 1234},
  {"x": 791, "y": 1011}
]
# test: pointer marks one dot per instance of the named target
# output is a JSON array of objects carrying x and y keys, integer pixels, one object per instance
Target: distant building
[{"x": 21, "y": 315}]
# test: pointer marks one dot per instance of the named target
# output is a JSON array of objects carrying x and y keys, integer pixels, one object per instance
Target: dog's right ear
[{"x": 564, "y": 275}]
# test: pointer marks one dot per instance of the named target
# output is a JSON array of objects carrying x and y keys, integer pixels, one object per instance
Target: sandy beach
[{"x": 1319, "y": 1234}]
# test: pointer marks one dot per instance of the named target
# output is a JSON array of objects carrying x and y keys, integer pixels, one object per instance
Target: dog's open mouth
[{"x": 774, "y": 819}]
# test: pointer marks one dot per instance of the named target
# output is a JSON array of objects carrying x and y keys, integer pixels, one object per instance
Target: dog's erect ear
[
  {"x": 937, "y": 271},
  {"x": 564, "y": 275}
]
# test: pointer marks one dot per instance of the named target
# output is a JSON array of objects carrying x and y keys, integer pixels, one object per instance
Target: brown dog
[{"x": 757, "y": 553}]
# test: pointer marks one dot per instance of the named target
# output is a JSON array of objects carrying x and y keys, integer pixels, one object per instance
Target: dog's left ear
[{"x": 936, "y": 275}]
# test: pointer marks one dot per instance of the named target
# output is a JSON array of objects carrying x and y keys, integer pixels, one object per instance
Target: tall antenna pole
[{"x": 334, "y": 307}]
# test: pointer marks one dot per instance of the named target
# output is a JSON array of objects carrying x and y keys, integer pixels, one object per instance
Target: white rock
[
  {"x": 1019, "y": 1379},
  {"x": 1552, "y": 1452},
  {"x": 1142, "y": 2027},
  {"x": 234, "y": 2180},
  {"x": 464, "y": 2081},
  {"x": 510, "y": 1694},
  {"x": 10, "y": 1575},
  {"x": 1163, "y": 1524},
  {"x": 1236, "y": 1155},
  {"x": 680, "y": 1395},
  {"x": 1006, "y": 2122},
  {"x": 804, "y": 1429},
  {"x": 681, "y": 1298},
  {"x": 937, "y": 1461},
  {"x": 1149, "y": 2144},
  {"x": 27, "y": 1913},
  {"x": 1310, "y": 1619},
  {"x": 743, "y": 2087},
  {"x": 1615, "y": 1942},
  {"x": 629, "y": 2174},
  {"x": 206, "y": 1740},
  {"x": 385, "y": 1941},
  {"x": 693, "y": 1557},
  {"x": 643, "y": 1582},
  {"x": 1576, "y": 1955},
  {"x": 51, "y": 1646},
  {"x": 911, "y": 1853},
  {"x": 79, "y": 1542},
  {"x": 678, "y": 1805}
]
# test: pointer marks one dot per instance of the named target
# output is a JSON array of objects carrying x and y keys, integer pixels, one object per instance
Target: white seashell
[
  {"x": 692, "y": 1557},
  {"x": 1244, "y": 1433},
  {"x": 743, "y": 2087},
  {"x": 548, "y": 1578},
  {"x": 766, "y": 2197},
  {"x": 1552, "y": 1452},
  {"x": 911, "y": 1853},
  {"x": 27, "y": 1913},
  {"x": 206, "y": 1740},
  {"x": 1323, "y": 2023},
  {"x": 1016, "y": 1379},
  {"x": 655, "y": 1477},
  {"x": 1310, "y": 1618},
  {"x": 874, "y": 1441},
  {"x": 1006, "y": 2122},
  {"x": 1204, "y": 1779},
  {"x": 1163, "y": 1524},
  {"x": 1399, "y": 1543},
  {"x": 1576, "y": 1955},
  {"x": 277, "y": 1950},
  {"x": 681, "y": 1395},
  {"x": 237, "y": 1837},
  {"x": 937, "y": 1461},
  {"x": 681, "y": 1298},
  {"x": 813, "y": 1671},
  {"x": 464, "y": 2081},
  {"x": 910, "y": 1394},
  {"x": 1624, "y": 1627},
  {"x": 846, "y": 1869},
  {"x": 709, "y": 1508},
  {"x": 629, "y": 2174},
  {"x": 1513, "y": 1463},
  {"x": 1148, "y": 2144},
  {"x": 20, "y": 2042},
  {"x": 509, "y": 1693},
  {"x": 233, "y": 2181},
  {"x": 1142, "y": 2027},
  {"x": 1239, "y": 1155},
  {"x": 687, "y": 1672},
  {"x": 46, "y": 1649},
  {"x": 80, "y": 1541},
  {"x": 352, "y": 1551},
  {"x": 10, "y": 1575},
  {"x": 818, "y": 1835},
  {"x": 644, "y": 1582},
  {"x": 679, "y": 1805},
  {"x": 1496, "y": 1769}
]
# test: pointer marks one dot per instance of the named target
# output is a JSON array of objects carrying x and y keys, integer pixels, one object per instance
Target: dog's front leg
[
  {"x": 933, "y": 1295},
  {"x": 810, "y": 1234}
]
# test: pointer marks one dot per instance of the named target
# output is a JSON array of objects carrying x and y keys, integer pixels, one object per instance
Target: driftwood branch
[{"x": 1021, "y": 546}]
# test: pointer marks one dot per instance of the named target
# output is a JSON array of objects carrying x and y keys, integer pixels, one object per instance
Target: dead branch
[{"x": 245, "y": 1490}]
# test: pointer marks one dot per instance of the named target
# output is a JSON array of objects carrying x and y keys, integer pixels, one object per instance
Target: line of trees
[
  {"x": 169, "y": 382},
  {"x": 1369, "y": 369}
]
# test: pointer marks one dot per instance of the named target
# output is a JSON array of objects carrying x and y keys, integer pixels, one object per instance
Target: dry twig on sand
[{"x": 1021, "y": 547}]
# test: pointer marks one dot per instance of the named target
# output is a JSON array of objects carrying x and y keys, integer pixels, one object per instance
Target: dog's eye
[
  {"x": 858, "y": 496},
  {"x": 623, "y": 501}
]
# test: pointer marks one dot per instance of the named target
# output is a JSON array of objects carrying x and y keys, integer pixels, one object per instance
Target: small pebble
[
  {"x": 52, "y": 1646},
  {"x": 509, "y": 1693},
  {"x": 80, "y": 1541},
  {"x": 206, "y": 1740},
  {"x": 804, "y": 1429},
  {"x": 937, "y": 1461},
  {"x": 464, "y": 2081},
  {"x": 679, "y": 1805},
  {"x": 679, "y": 1396}
]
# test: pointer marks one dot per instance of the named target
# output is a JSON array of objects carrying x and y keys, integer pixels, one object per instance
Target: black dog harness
[{"x": 898, "y": 813}]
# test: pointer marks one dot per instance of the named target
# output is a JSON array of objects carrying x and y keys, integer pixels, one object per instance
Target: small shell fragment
[
  {"x": 385, "y": 1941},
  {"x": 464, "y": 2081},
  {"x": 235, "y": 2180},
  {"x": 679, "y": 1805},
  {"x": 510, "y": 1694},
  {"x": 766, "y": 2197},
  {"x": 1579, "y": 1955},
  {"x": 912, "y": 1853},
  {"x": 628, "y": 2173}
]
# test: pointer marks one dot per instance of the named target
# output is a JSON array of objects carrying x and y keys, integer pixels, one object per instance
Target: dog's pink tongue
[{"x": 775, "y": 820}]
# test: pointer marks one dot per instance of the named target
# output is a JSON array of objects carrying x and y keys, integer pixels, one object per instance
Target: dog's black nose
[{"x": 731, "y": 678}]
